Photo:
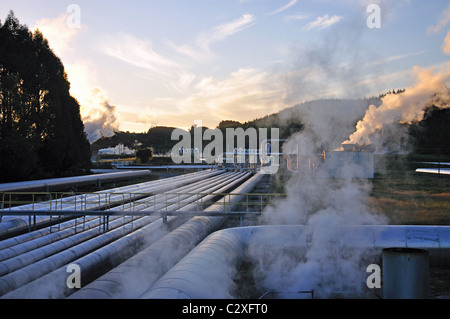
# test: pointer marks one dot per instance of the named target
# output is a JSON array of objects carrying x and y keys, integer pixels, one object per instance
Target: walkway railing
[{"x": 61, "y": 206}]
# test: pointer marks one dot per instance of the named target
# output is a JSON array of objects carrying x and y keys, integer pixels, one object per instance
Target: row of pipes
[
  {"x": 11, "y": 224},
  {"x": 34, "y": 264},
  {"x": 53, "y": 183},
  {"x": 181, "y": 257}
]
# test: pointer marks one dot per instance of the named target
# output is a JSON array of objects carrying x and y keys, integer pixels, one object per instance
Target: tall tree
[{"x": 41, "y": 132}]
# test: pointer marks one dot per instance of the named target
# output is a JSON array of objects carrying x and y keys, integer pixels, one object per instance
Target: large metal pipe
[
  {"x": 39, "y": 288},
  {"x": 53, "y": 284},
  {"x": 11, "y": 266},
  {"x": 37, "y": 269},
  {"x": 14, "y": 248},
  {"x": 106, "y": 198},
  {"x": 46, "y": 184},
  {"x": 133, "y": 277},
  {"x": 205, "y": 271},
  {"x": 12, "y": 225}
]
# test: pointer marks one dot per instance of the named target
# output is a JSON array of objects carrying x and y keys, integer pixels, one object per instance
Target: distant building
[{"x": 119, "y": 149}]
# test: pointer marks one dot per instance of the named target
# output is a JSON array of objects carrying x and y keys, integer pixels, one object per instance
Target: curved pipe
[
  {"x": 133, "y": 277},
  {"x": 205, "y": 271}
]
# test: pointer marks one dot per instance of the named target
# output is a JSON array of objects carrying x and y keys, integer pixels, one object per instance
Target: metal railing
[{"x": 61, "y": 206}]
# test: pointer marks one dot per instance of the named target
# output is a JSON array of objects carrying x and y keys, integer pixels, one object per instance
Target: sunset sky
[{"x": 175, "y": 62}]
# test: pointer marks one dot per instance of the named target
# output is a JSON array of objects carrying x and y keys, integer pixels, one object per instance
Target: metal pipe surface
[
  {"x": 11, "y": 225},
  {"x": 155, "y": 229},
  {"x": 133, "y": 277},
  {"x": 197, "y": 275}
]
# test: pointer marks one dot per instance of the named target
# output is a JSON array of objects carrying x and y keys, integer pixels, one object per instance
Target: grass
[{"x": 406, "y": 197}]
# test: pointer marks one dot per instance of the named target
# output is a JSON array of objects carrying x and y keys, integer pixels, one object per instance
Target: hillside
[
  {"x": 333, "y": 119},
  {"x": 156, "y": 137}
]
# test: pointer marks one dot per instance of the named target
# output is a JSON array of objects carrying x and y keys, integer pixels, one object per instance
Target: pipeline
[
  {"x": 70, "y": 181},
  {"x": 133, "y": 277},
  {"x": 130, "y": 243},
  {"x": 107, "y": 198},
  {"x": 207, "y": 271},
  {"x": 29, "y": 241},
  {"x": 13, "y": 225},
  {"x": 16, "y": 249}
]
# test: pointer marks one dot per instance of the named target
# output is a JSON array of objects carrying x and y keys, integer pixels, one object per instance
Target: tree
[
  {"x": 41, "y": 132},
  {"x": 144, "y": 155}
]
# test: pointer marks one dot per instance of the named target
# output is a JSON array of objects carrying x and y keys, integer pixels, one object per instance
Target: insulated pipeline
[
  {"x": 154, "y": 230},
  {"x": 11, "y": 225},
  {"x": 106, "y": 198},
  {"x": 50, "y": 238},
  {"x": 136, "y": 275},
  {"x": 206, "y": 272},
  {"x": 70, "y": 181}
]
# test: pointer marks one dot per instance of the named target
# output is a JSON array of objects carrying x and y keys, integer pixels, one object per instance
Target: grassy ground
[{"x": 406, "y": 197}]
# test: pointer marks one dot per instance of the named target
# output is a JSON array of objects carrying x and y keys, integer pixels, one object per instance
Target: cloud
[
  {"x": 137, "y": 52},
  {"x": 323, "y": 22},
  {"x": 441, "y": 23},
  {"x": 243, "y": 95},
  {"x": 287, "y": 6},
  {"x": 98, "y": 115},
  {"x": 446, "y": 44},
  {"x": 59, "y": 34},
  {"x": 183, "y": 82},
  {"x": 202, "y": 48},
  {"x": 296, "y": 17},
  {"x": 391, "y": 59},
  {"x": 225, "y": 30}
]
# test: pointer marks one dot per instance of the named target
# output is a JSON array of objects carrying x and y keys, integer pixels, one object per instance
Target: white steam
[
  {"x": 101, "y": 119},
  {"x": 409, "y": 106},
  {"x": 324, "y": 205}
]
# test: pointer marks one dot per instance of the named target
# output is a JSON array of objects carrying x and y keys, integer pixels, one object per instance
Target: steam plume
[
  {"x": 101, "y": 119},
  {"x": 324, "y": 205},
  {"x": 409, "y": 106}
]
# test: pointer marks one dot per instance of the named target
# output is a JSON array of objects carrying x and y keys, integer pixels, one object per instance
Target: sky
[{"x": 134, "y": 64}]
